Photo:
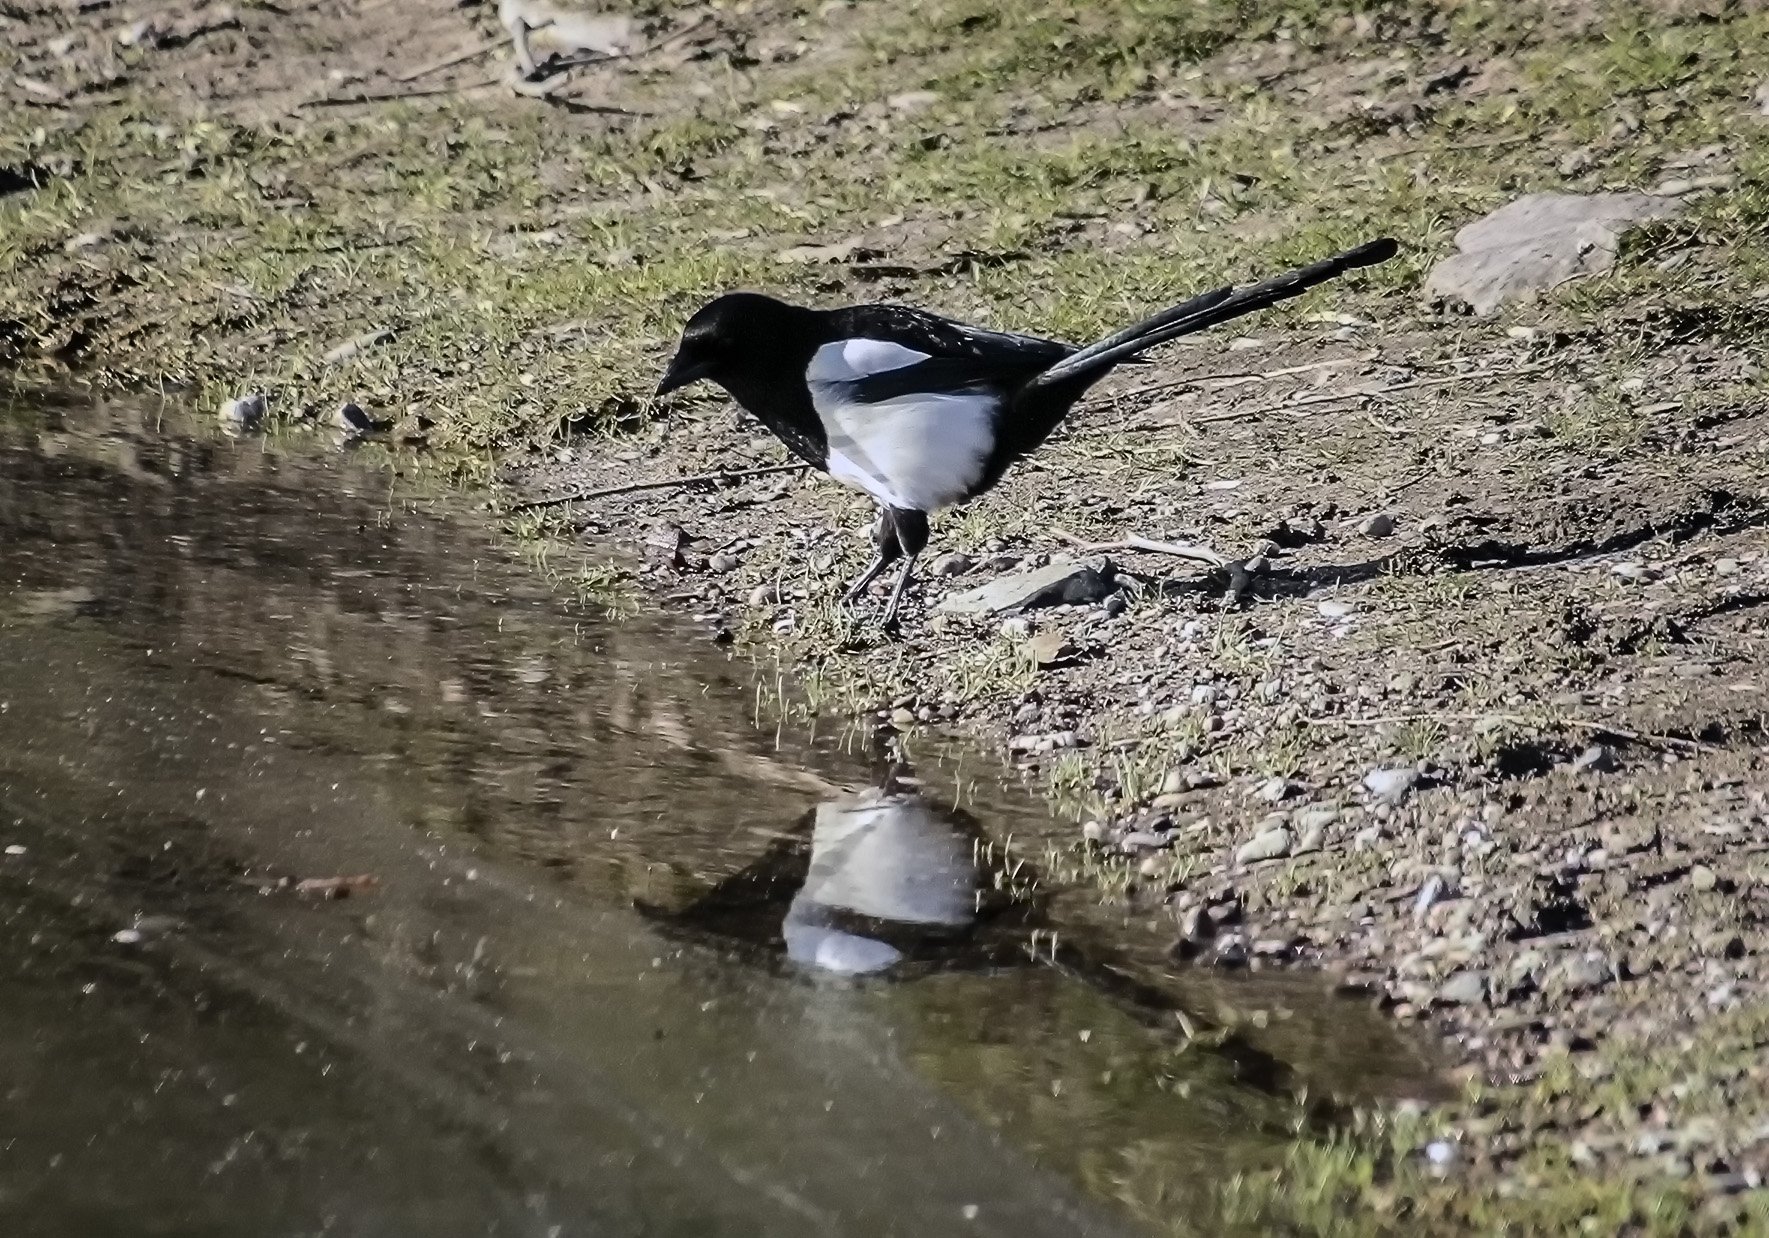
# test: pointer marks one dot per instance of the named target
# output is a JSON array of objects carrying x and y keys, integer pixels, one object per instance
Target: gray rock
[
  {"x": 1276, "y": 790},
  {"x": 1435, "y": 890},
  {"x": 723, "y": 561},
  {"x": 1196, "y": 930},
  {"x": 1269, "y": 844},
  {"x": 1597, "y": 757},
  {"x": 1231, "y": 951},
  {"x": 1316, "y": 816},
  {"x": 1539, "y": 242},
  {"x": 353, "y": 420},
  {"x": 1391, "y": 785},
  {"x": 952, "y": 565},
  {"x": 1703, "y": 878},
  {"x": 1379, "y": 525},
  {"x": 1465, "y": 988},
  {"x": 1145, "y": 840},
  {"x": 1585, "y": 974},
  {"x": 1064, "y": 582},
  {"x": 246, "y": 410}
]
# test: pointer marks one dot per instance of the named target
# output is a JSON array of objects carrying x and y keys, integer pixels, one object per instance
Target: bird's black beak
[{"x": 683, "y": 370}]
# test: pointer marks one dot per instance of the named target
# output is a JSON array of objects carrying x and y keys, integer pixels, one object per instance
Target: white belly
[{"x": 920, "y": 452}]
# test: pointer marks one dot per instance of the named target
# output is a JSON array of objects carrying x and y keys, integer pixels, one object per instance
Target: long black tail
[{"x": 1210, "y": 309}]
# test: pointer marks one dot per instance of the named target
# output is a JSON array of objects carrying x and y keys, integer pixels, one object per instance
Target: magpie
[{"x": 922, "y": 412}]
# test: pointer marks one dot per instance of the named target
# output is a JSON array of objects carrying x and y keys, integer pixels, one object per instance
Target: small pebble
[
  {"x": 1231, "y": 951},
  {"x": 1466, "y": 988},
  {"x": 1379, "y": 525},
  {"x": 351, "y": 417},
  {"x": 1393, "y": 784},
  {"x": 1597, "y": 757},
  {"x": 1276, "y": 790},
  {"x": 1269, "y": 844},
  {"x": 1585, "y": 974},
  {"x": 246, "y": 410},
  {"x": 1702, "y": 878},
  {"x": 952, "y": 565}
]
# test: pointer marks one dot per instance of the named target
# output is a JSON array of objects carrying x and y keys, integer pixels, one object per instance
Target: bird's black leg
[
  {"x": 886, "y": 550},
  {"x": 912, "y": 540}
]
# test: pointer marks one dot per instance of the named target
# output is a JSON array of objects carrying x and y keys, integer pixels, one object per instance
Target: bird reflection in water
[
  {"x": 861, "y": 885},
  {"x": 885, "y": 876}
]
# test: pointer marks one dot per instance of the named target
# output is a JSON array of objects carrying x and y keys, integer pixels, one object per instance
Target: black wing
[{"x": 960, "y": 357}]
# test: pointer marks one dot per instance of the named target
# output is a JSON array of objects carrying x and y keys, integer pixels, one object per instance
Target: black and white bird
[{"x": 918, "y": 411}]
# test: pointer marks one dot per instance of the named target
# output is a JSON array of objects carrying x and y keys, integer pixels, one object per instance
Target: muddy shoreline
[{"x": 1484, "y": 740}]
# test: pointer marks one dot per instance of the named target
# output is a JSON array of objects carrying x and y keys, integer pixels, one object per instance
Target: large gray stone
[
  {"x": 1538, "y": 242},
  {"x": 1062, "y": 582}
]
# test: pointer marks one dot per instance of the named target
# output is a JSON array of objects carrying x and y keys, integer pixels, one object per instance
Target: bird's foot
[{"x": 1241, "y": 574}]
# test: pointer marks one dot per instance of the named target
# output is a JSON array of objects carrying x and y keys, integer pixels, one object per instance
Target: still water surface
[{"x": 620, "y": 961}]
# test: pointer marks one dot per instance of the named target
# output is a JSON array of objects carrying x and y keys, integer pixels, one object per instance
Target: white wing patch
[{"x": 846, "y": 361}]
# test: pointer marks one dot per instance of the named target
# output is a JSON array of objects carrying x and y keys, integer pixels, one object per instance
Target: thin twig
[
  {"x": 388, "y": 96},
  {"x": 449, "y": 62},
  {"x": 1183, "y": 550},
  {"x": 1582, "y": 724},
  {"x": 1333, "y": 397},
  {"x": 1219, "y": 382},
  {"x": 672, "y": 483}
]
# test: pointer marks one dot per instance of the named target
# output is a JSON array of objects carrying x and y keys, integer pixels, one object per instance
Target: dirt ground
[{"x": 1486, "y": 733}]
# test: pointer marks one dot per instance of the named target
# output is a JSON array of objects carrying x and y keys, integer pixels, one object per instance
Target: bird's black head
[{"x": 725, "y": 333}]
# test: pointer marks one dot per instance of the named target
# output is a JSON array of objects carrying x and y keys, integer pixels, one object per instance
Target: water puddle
[{"x": 352, "y": 885}]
